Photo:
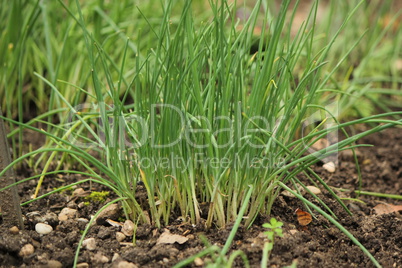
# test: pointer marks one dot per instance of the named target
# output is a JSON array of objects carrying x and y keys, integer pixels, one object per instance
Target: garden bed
[{"x": 320, "y": 244}]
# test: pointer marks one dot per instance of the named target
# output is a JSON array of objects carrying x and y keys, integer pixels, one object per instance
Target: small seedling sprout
[{"x": 275, "y": 230}]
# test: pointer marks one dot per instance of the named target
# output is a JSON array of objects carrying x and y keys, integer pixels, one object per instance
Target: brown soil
[{"x": 320, "y": 244}]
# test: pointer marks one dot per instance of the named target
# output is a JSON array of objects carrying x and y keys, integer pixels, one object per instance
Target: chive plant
[
  {"x": 207, "y": 118},
  {"x": 192, "y": 115}
]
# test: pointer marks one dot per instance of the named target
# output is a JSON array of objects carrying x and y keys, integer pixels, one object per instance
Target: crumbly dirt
[{"x": 320, "y": 244}]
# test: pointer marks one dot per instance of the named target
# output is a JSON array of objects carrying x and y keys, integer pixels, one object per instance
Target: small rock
[
  {"x": 128, "y": 228},
  {"x": 72, "y": 205},
  {"x": 43, "y": 228},
  {"x": 54, "y": 264},
  {"x": 198, "y": 262},
  {"x": 26, "y": 250},
  {"x": 68, "y": 213},
  {"x": 190, "y": 236},
  {"x": 82, "y": 265},
  {"x": 43, "y": 257},
  {"x": 79, "y": 192},
  {"x": 115, "y": 256},
  {"x": 125, "y": 264},
  {"x": 354, "y": 207},
  {"x": 293, "y": 231},
  {"x": 320, "y": 144},
  {"x": 120, "y": 236},
  {"x": 111, "y": 212},
  {"x": 104, "y": 259},
  {"x": 14, "y": 230},
  {"x": 35, "y": 243},
  {"x": 287, "y": 194},
  {"x": 89, "y": 243},
  {"x": 330, "y": 167},
  {"x": 83, "y": 220},
  {"x": 99, "y": 258},
  {"x": 314, "y": 189},
  {"x": 348, "y": 155}
]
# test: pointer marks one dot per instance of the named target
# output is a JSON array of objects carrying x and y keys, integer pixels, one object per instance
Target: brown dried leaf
[
  {"x": 169, "y": 238},
  {"x": 386, "y": 208}
]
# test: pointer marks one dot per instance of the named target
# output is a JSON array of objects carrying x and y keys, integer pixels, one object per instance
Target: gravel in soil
[{"x": 320, "y": 244}]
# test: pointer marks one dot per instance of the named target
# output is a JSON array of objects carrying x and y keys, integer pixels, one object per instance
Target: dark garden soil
[{"x": 321, "y": 244}]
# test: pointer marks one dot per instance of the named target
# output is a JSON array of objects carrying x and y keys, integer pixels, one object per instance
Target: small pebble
[
  {"x": 89, "y": 243},
  {"x": 14, "y": 230},
  {"x": 99, "y": 258},
  {"x": 198, "y": 262},
  {"x": 35, "y": 243},
  {"x": 287, "y": 194},
  {"x": 83, "y": 220},
  {"x": 79, "y": 192},
  {"x": 54, "y": 264},
  {"x": 190, "y": 236},
  {"x": 330, "y": 167},
  {"x": 320, "y": 144},
  {"x": 293, "y": 231},
  {"x": 43, "y": 228},
  {"x": 82, "y": 265},
  {"x": 72, "y": 205},
  {"x": 115, "y": 256},
  {"x": 67, "y": 213},
  {"x": 120, "y": 236},
  {"x": 354, "y": 207},
  {"x": 128, "y": 228},
  {"x": 125, "y": 264},
  {"x": 104, "y": 259},
  {"x": 26, "y": 250},
  {"x": 43, "y": 257},
  {"x": 111, "y": 212},
  {"x": 314, "y": 189}
]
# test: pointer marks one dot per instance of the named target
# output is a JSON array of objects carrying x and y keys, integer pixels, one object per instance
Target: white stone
[
  {"x": 89, "y": 243},
  {"x": 26, "y": 250},
  {"x": 128, "y": 228},
  {"x": 120, "y": 236},
  {"x": 330, "y": 167},
  {"x": 43, "y": 228},
  {"x": 67, "y": 213},
  {"x": 83, "y": 220},
  {"x": 314, "y": 189}
]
